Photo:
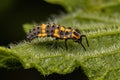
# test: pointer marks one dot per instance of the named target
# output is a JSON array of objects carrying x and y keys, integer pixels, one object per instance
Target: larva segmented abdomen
[
  {"x": 52, "y": 30},
  {"x": 33, "y": 33}
]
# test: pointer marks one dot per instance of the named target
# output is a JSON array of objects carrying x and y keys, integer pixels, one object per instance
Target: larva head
[{"x": 76, "y": 35}]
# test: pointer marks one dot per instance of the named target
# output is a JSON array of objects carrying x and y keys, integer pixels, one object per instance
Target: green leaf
[
  {"x": 27, "y": 27},
  {"x": 99, "y": 62},
  {"x": 110, "y": 6},
  {"x": 8, "y": 59}
]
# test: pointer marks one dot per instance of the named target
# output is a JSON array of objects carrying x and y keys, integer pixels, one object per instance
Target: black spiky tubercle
[{"x": 33, "y": 33}]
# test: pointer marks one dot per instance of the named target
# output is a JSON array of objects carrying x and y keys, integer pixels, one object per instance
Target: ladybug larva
[{"x": 58, "y": 32}]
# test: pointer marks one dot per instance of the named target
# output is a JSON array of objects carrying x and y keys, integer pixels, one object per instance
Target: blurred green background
[{"x": 15, "y": 13}]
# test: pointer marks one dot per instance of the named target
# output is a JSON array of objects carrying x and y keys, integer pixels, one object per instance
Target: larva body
[{"x": 57, "y": 31}]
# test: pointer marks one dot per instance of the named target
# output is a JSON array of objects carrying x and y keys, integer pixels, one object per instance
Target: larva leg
[
  {"x": 55, "y": 43},
  {"x": 80, "y": 42},
  {"x": 66, "y": 44}
]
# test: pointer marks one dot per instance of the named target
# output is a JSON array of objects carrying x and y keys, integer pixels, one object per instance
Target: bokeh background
[{"x": 15, "y": 13}]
